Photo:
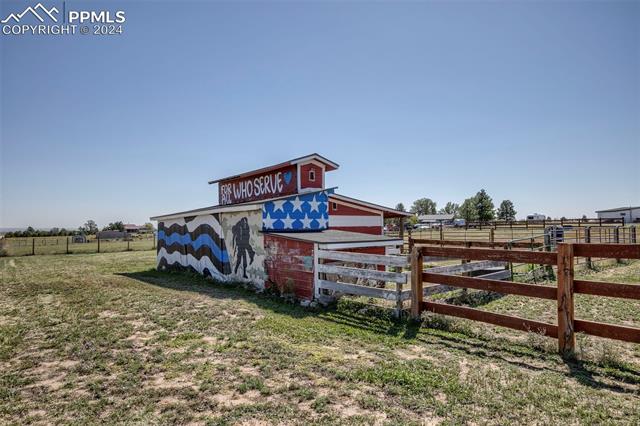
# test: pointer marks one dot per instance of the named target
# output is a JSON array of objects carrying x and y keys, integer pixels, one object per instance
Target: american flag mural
[{"x": 303, "y": 212}]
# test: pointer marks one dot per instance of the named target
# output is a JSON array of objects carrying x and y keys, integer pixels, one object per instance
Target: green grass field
[
  {"x": 104, "y": 338},
  {"x": 58, "y": 245}
]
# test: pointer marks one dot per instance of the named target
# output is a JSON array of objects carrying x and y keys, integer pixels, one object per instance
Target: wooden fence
[
  {"x": 563, "y": 293},
  {"x": 399, "y": 295},
  {"x": 359, "y": 265}
]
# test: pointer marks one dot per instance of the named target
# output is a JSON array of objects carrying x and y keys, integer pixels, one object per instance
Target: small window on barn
[
  {"x": 334, "y": 206},
  {"x": 312, "y": 175}
]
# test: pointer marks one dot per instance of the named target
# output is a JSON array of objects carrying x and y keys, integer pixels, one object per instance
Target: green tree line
[{"x": 479, "y": 207}]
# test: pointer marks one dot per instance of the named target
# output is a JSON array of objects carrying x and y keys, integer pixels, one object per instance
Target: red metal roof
[{"x": 328, "y": 164}]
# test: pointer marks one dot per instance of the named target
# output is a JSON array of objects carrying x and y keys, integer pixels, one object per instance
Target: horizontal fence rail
[
  {"x": 502, "y": 320},
  {"x": 487, "y": 244},
  {"x": 599, "y": 288},
  {"x": 369, "y": 274},
  {"x": 362, "y": 290},
  {"x": 542, "y": 258},
  {"x": 370, "y": 259},
  {"x": 467, "y": 267},
  {"x": 506, "y": 287}
]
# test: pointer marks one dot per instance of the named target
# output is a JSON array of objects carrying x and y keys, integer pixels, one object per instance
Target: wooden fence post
[
  {"x": 67, "y": 245},
  {"x": 98, "y": 238},
  {"x": 616, "y": 238},
  {"x": 587, "y": 239},
  {"x": 632, "y": 234},
  {"x": 566, "y": 335},
  {"x": 416, "y": 283},
  {"x": 399, "y": 303},
  {"x": 33, "y": 246}
]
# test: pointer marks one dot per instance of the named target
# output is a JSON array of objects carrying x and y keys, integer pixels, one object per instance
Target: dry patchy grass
[{"x": 105, "y": 338}]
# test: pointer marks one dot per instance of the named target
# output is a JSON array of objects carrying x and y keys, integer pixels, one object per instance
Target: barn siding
[
  {"x": 371, "y": 230},
  {"x": 360, "y": 219},
  {"x": 305, "y": 182},
  {"x": 289, "y": 265}
]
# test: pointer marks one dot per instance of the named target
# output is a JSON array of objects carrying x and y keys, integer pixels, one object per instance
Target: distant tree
[
  {"x": 54, "y": 231},
  {"x": 394, "y": 223},
  {"x": 114, "y": 226},
  {"x": 450, "y": 208},
  {"x": 149, "y": 227},
  {"x": 506, "y": 211},
  {"x": 90, "y": 227},
  {"x": 584, "y": 216},
  {"x": 29, "y": 232},
  {"x": 424, "y": 206},
  {"x": 468, "y": 210},
  {"x": 484, "y": 206}
]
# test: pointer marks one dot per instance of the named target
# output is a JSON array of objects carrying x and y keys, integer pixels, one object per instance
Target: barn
[
  {"x": 268, "y": 226},
  {"x": 627, "y": 214}
]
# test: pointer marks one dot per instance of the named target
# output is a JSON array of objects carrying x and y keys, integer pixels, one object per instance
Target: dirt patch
[
  {"x": 160, "y": 381},
  {"x": 464, "y": 369},
  {"x": 351, "y": 409},
  {"x": 232, "y": 399},
  {"x": 108, "y": 314}
]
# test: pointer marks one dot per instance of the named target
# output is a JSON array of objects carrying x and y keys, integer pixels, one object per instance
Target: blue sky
[{"x": 537, "y": 102}]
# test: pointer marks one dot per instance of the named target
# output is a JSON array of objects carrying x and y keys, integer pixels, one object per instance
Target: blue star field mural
[{"x": 303, "y": 212}]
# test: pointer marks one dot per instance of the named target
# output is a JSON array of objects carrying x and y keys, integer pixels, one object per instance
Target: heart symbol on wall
[{"x": 287, "y": 177}]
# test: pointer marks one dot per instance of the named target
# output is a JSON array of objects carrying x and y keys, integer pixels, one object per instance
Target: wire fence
[
  {"x": 530, "y": 240},
  {"x": 30, "y": 246},
  {"x": 586, "y": 234}
]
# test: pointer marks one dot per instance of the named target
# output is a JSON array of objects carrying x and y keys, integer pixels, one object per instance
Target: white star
[
  {"x": 314, "y": 204},
  {"x": 297, "y": 204},
  {"x": 278, "y": 205},
  {"x": 288, "y": 222},
  {"x": 268, "y": 222},
  {"x": 306, "y": 222},
  {"x": 322, "y": 222}
]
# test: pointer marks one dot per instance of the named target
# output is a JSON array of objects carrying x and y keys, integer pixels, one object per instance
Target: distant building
[
  {"x": 112, "y": 235},
  {"x": 536, "y": 216},
  {"x": 436, "y": 220},
  {"x": 629, "y": 214},
  {"x": 130, "y": 228},
  {"x": 79, "y": 238}
]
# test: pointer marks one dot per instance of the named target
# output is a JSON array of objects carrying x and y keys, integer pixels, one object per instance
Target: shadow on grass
[
  {"x": 380, "y": 321},
  {"x": 352, "y": 314}
]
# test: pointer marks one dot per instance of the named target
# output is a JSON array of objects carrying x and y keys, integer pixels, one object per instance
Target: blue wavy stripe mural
[{"x": 202, "y": 240}]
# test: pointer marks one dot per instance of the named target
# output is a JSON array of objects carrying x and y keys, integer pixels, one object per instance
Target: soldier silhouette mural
[{"x": 241, "y": 236}]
